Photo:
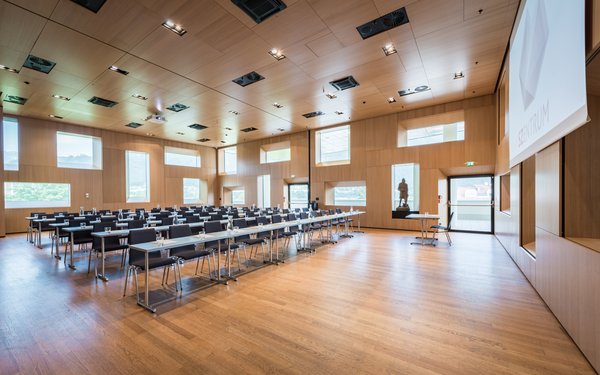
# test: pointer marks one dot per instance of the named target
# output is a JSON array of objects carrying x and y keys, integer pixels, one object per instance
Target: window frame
[
  {"x": 182, "y": 152},
  {"x": 266, "y": 150},
  {"x": 222, "y": 156},
  {"x": 195, "y": 200},
  {"x": 5, "y": 122},
  {"x": 37, "y": 204},
  {"x": 318, "y": 154},
  {"x": 128, "y": 198},
  {"x": 96, "y": 151}
]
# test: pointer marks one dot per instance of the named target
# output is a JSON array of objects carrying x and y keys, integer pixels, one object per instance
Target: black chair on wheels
[
  {"x": 155, "y": 260},
  {"x": 188, "y": 252},
  {"x": 439, "y": 228},
  {"x": 112, "y": 243}
]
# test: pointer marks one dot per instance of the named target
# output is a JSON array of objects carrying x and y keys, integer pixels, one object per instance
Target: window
[
  {"x": 264, "y": 190},
  {"x": 346, "y": 193},
  {"x": 191, "y": 190},
  {"x": 410, "y": 174},
  {"x": 333, "y": 146},
  {"x": 275, "y": 152},
  {"x": 78, "y": 151},
  {"x": 505, "y": 193},
  {"x": 10, "y": 129},
  {"x": 182, "y": 156},
  {"x": 436, "y": 134},
  {"x": 228, "y": 160},
  {"x": 138, "y": 176},
  {"x": 238, "y": 196},
  {"x": 298, "y": 195},
  {"x": 36, "y": 195}
]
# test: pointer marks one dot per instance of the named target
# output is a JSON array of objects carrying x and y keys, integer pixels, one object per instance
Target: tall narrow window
[
  {"x": 78, "y": 151},
  {"x": 238, "y": 196},
  {"x": 410, "y": 174},
  {"x": 264, "y": 190},
  {"x": 10, "y": 129},
  {"x": 182, "y": 156},
  {"x": 191, "y": 190},
  {"x": 36, "y": 195},
  {"x": 138, "y": 176},
  {"x": 333, "y": 146},
  {"x": 228, "y": 160}
]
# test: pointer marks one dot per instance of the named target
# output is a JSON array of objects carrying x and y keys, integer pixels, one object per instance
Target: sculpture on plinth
[{"x": 403, "y": 189}]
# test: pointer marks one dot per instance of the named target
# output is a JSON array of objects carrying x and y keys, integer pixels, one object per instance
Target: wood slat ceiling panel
[{"x": 41, "y": 7}]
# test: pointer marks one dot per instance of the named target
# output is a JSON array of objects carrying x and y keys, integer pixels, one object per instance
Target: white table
[{"x": 424, "y": 228}]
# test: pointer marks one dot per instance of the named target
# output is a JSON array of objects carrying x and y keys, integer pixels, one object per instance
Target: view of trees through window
[
  {"x": 350, "y": 195},
  {"x": 35, "y": 195},
  {"x": 138, "y": 176},
  {"x": 78, "y": 151}
]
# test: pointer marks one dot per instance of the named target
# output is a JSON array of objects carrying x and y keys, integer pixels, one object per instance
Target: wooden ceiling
[{"x": 318, "y": 38}]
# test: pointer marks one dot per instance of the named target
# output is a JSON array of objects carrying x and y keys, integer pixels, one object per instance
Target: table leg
[
  {"x": 71, "y": 265},
  {"x": 102, "y": 276},
  {"x": 39, "y": 235},
  {"x": 145, "y": 304},
  {"x": 57, "y": 256},
  {"x": 358, "y": 230}
]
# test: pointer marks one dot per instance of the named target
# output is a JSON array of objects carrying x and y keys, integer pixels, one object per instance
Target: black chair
[
  {"x": 190, "y": 219},
  {"x": 292, "y": 232},
  {"x": 62, "y": 235},
  {"x": 112, "y": 243},
  {"x": 224, "y": 245},
  {"x": 108, "y": 219},
  {"x": 155, "y": 260},
  {"x": 135, "y": 224},
  {"x": 246, "y": 240},
  {"x": 80, "y": 237},
  {"x": 188, "y": 252},
  {"x": 166, "y": 221},
  {"x": 439, "y": 228}
]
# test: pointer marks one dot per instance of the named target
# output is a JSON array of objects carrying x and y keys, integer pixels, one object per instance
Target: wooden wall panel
[
  {"x": 548, "y": 189},
  {"x": 528, "y": 201},
  {"x": 106, "y": 187},
  {"x": 2, "y": 215}
]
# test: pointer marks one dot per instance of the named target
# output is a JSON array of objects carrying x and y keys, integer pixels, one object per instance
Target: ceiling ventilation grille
[
  {"x": 344, "y": 83},
  {"x": 248, "y": 79},
  {"x": 260, "y": 10},
  {"x": 103, "y": 102},
  {"x": 93, "y": 5},
  {"x": 39, "y": 64},
  {"x": 384, "y": 23},
  {"x": 313, "y": 114},
  {"x": 177, "y": 107},
  {"x": 197, "y": 126},
  {"x": 248, "y": 130},
  {"x": 15, "y": 99},
  {"x": 133, "y": 125}
]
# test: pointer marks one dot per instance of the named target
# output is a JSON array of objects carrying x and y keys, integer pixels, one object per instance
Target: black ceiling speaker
[
  {"x": 260, "y": 10},
  {"x": 103, "y": 102},
  {"x": 39, "y": 64},
  {"x": 313, "y": 114},
  {"x": 197, "y": 126},
  {"x": 384, "y": 23},
  {"x": 248, "y": 130},
  {"x": 93, "y": 5}
]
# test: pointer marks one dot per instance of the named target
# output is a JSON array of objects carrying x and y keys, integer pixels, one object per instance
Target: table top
[{"x": 423, "y": 217}]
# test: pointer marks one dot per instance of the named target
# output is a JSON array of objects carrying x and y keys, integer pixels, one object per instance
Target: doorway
[
  {"x": 298, "y": 195},
  {"x": 471, "y": 203}
]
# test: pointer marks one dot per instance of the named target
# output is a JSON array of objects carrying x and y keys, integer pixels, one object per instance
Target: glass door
[
  {"x": 471, "y": 203},
  {"x": 298, "y": 194}
]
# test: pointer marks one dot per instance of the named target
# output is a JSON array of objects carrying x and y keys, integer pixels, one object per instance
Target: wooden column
[{"x": 2, "y": 213}]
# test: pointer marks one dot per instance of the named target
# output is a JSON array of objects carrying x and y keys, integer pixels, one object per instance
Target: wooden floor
[{"x": 372, "y": 304}]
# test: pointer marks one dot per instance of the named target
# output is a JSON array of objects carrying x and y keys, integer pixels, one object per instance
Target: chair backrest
[
  {"x": 135, "y": 224},
  {"x": 276, "y": 218},
  {"x": 100, "y": 227},
  {"x": 240, "y": 223},
  {"x": 212, "y": 226},
  {"x": 167, "y": 221},
  {"x": 262, "y": 220},
  {"x": 141, "y": 236},
  {"x": 107, "y": 219},
  {"x": 182, "y": 230},
  {"x": 76, "y": 222},
  {"x": 304, "y": 215},
  {"x": 450, "y": 220},
  {"x": 192, "y": 218},
  {"x": 292, "y": 217}
]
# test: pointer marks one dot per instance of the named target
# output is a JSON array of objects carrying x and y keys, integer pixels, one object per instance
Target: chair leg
[
  {"x": 90, "y": 260},
  {"x": 448, "y": 238},
  {"x": 237, "y": 251},
  {"x": 137, "y": 290},
  {"x": 126, "y": 279},
  {"x": 198, "y": 264}
]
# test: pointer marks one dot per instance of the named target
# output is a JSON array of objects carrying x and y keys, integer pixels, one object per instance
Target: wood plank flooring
[{"x": 372, "y": 304}]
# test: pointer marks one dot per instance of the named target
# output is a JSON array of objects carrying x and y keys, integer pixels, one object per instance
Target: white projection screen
[{"x": 547, "y": 92}]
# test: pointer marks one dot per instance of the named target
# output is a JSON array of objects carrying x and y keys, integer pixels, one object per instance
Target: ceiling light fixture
[
  {"x": 138, "y": 96},
  {"x": 177, "y": 29},
  {"x": 281, "y": 129},
  {"x": 331, "y": 95},
  {"x": 459, "y": 75},
  {"x": 228, "y": 129},
  {"x": 339, "y": 113},
  {"x": 9, "y": 69},
  {"x": 234, "y": 112},
  {"x": 470, "y": 163},
  {"x": 150, "y": 134},
  {"x": 180, "y": 133},
  {"x": 277, "y": 105},
  {"x": 391, "y": 100},
  {"x": 118, "y": 70},
  {"x": 389, "y": 49},
  {"x": 61, "y": 97},
  {"x": 277, "y": 55},
  {"x": 55, "y": 116}
]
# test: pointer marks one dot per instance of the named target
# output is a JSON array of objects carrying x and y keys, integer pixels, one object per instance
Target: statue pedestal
[{"x": 402, "y": 212}]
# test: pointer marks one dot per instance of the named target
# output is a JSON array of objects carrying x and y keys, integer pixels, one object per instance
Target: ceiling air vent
[
  {"x": 133, "y": 125},
  {"x": 248, "y": 79},
  {"x": 313, "y": 114},
  {"x": 203, "y": 140},
  {"x": 103, "y": 102},
  {"x": 15, "y": 99},
  {"x": 384, "y": 23},
  {"x": 417, "y": 89},
  {"x": 344, "y": 83},
  {"x": 93, "y": 5},
  {"x": 260, "y": 10},
  {"x": 248, "y": 130},
  {"x": 197, "y": 126},
  {"x": 177, "y": 107},
  {"x": 39, "y": 64}
]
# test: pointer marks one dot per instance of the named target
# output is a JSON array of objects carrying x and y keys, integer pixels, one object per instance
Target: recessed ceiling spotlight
[
  {"x": 180, "y": 133},
  {"x": 389, "y": 49},
  {"x": 118, "y": 70},
  {"x": 223, "y": 142},
  {"x": 331, "y": 95},
  {"x": 459, "y": 75},
  {"x": 339, "y": 113},
  {"x": 277, "y": 105},
  {"x": 277, "y": 55},
  {"x": 228, "y": 129},
  {"x": 281, "y": 129},
  {"x": 150, "y": 134},
  {"x": 9, "y": 69},
  {"x": 61, "y": 97},
  {"x": 391, "y": 100},
  {"x": 55, "y": 116},
  {"x": 177, "y": 29},
  {"x": 138, "y": 96},
  {"x": 234, "y": 112}
]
